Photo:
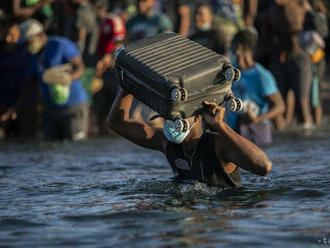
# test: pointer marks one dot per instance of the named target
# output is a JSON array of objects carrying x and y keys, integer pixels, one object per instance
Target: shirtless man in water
[{"x": 210, "y": 151}]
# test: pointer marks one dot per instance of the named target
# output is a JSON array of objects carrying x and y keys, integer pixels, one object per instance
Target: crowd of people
[{"x": 57, "y": 60}]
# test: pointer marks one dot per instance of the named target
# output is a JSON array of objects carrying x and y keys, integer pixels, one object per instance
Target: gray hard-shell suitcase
[{"x": 174, "y": 75}]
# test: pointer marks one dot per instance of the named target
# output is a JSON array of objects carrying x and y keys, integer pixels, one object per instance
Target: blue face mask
[{"x": 171, "y": 134}]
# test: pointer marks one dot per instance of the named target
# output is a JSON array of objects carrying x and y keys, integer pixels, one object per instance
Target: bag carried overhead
[{"x": 174, "y": 75}]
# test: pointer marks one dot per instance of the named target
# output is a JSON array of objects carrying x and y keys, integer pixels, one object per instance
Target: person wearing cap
[
  {"x": 57, "y": 63},
  {"x": 208, "y": 151},
  {"x": 112, "y": 28}
]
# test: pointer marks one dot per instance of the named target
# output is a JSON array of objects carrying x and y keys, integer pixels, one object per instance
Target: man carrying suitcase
[{"x": 209, "y": 151}]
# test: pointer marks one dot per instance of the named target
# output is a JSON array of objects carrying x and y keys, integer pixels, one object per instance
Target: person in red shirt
[
  {"x": 112, "y": 36},
  {"x": 112, "y": 28}
]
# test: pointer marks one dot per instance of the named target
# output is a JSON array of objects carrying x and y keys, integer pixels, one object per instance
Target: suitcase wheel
[
  {"x": 181, "y": 125},
  {"x": 239, "y": 104},
  {"x": 235, "y": 104},
  {"x": 237, "y": 75},
  {"x": 229, "y": 74},
  {"x": 179, "y": 94},
  {"x": 176, "y": 94},
  {"x": 184, "y": 94}
]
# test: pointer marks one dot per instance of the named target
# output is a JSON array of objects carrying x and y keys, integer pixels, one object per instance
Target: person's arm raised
[
  {"x": 232, "y": 147},
  {"x": 277, "y": 108},
  {"x": 136, "y": 131}
]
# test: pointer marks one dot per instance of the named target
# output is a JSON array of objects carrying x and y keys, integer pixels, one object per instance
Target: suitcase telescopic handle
[{"x": 119, "y": 50}]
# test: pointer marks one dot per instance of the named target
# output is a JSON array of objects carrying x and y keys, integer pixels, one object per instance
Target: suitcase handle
[{"x": 119, "y": 50}]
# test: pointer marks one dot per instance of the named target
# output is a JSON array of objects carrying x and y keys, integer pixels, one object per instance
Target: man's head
[
  {"x": 33, "y": 33},
  {"x": 243, "y": 46},
  {"x": 145, "y": 7},
  {"x": 101, "y": 8},
  {"x": 9, "y": 31},
  {"x": 203, "y": 16}
]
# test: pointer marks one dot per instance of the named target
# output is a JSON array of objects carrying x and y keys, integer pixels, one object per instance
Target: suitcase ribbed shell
[{"x": 152, "y": 67}]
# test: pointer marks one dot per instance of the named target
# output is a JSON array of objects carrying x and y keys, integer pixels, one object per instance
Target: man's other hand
[{"x": 214, "y": 114}]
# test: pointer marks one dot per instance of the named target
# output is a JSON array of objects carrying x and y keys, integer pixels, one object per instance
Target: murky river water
[{"x": 110, "y": 193}]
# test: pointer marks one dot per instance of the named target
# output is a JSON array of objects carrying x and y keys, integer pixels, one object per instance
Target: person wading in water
[{"x": 210, "y": 151}]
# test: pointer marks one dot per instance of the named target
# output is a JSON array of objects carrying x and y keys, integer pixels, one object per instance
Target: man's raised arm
[
  {"x": 136, "y": 131},
  {"x": 232, "y": 147}
]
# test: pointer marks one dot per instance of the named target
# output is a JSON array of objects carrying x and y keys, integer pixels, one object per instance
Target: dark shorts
[
  {"x": 66, "y": 124},
  {"x": 259, "y": 134},
  {"x": 295, "y": 74}
]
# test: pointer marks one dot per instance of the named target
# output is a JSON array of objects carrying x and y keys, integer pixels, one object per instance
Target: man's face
[
  {"x": 13, "y": 35},
  {"x": 35, "y": 44},
  {"x": 203, "y": 17},
  {"x": 145, "y": 6},
  {"x": 101, "y": 11}
]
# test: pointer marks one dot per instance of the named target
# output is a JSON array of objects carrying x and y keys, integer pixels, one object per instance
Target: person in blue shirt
[
  {"x": 57, "y": 63},
  {"x": 257, "y": 88}
]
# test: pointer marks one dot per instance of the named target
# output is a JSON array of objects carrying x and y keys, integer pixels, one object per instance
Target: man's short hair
[
  {"x": 102, "y": 4},
  {"x": 204, "y": 4},
  {"x": 246, "y": 38}
]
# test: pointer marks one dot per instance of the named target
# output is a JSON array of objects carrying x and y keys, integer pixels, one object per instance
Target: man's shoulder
[
  {"x": 59, "y": 39},
  {"x": 262, "y": 70},
  {"x": 266, "y": 80},
  {"x": 134, "y": 19},
  {"x": 160, "y": 18}
]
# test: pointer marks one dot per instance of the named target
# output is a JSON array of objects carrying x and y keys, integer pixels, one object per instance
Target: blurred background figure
[
  {"x": 83, "y": 29},
  {"x": 206, "y": 34},
  {"x": 147, "y": 23},
  {"x": 234, "y": 15},
  {"x": 312, "y": 41},
  {"x": 124, "y": 8},
  {"x": 18, "y": 103},
  {"x": 37, "y": 9},
  {"x": 228, "y": 15},
  {"x": 112, "y": 28},
  {"x": 179, "y": 12},
  {"x": 58, "y": 65},
  {"x": 290, "y": 65},
  {"x": 258, "y": 89},
  {"x": 106, "y": 83}
]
